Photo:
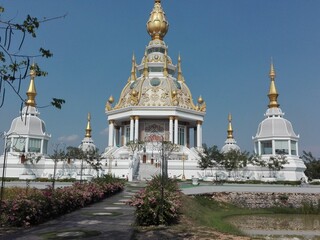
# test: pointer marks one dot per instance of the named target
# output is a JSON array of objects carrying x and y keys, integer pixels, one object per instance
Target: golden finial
[
  {"x": 88, "y": 129},
  {"x": 200, "y": 100},
  {"x": 165, "y": 65},
  {"x": 111, "y": 99},
  {"x": 145, "y": 66},
  {"x": 180, "y": 77},
  {"x": 157, "y": 25},
  {"x": 133, "y": 69},
  {"x": 230, "y": 131},
  {"x": 273, "y": 94},
  {"x": 32, "y": 92}
]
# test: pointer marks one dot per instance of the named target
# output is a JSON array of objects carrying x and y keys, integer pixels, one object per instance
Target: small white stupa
[
  {"x": 230, "y": 143},
  {"x": 26, "y": 142},
  {"x": 275, "y": 137}
]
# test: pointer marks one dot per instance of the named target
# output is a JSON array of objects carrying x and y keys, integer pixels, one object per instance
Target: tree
[
  {"x": 91, "y": 157},
  {"x": 59, "y": 154},
  {"x": 15, "y": 65},
  {"x": 210, "y": 157},
  {"x": 233, "y": 160},
  {"x": 312, "y": 164},
  {"x": 276, "y": 163}
]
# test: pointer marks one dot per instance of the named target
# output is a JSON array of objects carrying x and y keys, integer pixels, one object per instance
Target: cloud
[
  {"x": 70, "y": 138},
  {"x": 104, "y": 131}
]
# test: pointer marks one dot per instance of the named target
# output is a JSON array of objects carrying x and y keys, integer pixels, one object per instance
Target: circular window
[{"x": 155, "y": 82}]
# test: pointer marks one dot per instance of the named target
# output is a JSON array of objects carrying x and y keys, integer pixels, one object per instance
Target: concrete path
[
  {"x": 110, "y": 219},
  {"x": 208, "y": 188}
]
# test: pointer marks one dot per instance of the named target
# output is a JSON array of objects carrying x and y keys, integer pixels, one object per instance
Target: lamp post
[
  {"x": 183, "y": 159},
  {"x": 7, "y": 146}
]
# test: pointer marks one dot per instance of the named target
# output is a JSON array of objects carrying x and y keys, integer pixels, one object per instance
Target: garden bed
[{"x": 26, "y": 208}]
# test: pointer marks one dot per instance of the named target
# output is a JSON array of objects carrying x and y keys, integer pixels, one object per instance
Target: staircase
[{"x": 147, "y": 170}]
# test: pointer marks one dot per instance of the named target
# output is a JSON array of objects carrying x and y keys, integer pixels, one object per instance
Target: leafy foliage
[
  {"x": 235, "y": 159},
  {"x": 159, "y": 203},
  {"x": 15, "y": 65},
  {"x": 276, "y": 163},
  {"x": 312, "y": 164},
  {"x": 210, "y": 157},
  {"x": 36, "y": 206}
]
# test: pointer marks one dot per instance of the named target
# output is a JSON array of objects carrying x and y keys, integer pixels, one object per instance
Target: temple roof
[{"x": 159, "y": 83}]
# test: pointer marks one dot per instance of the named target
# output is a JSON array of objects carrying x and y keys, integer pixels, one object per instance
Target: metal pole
[
  {"x": 54, "y": 173},
  {"x": 81, "y": 170},
  {"x": 183, "y": 159},
  {"x": 3, "y": 172}
]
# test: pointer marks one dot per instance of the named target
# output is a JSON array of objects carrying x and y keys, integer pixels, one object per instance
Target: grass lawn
[{"x": 210, "y": 213}]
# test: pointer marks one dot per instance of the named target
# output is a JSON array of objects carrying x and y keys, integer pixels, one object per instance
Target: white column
[
  {"x": 171, "y": 129},
  {"x": 176, "y": 130},
  {"x": 111, "y": 130},
  {"x": 136, "y": 128},
  {"x": 259, "y": 148},
  {"x": 195, "y": 135},
  {"x": 297, "y": 148},
  {"x": 185, "y": 136},
  {"x": 26, "y": 146},
  {"x": 131, "y": 128},
  {"x": 289, "y": 147},
  {"x": 199, "y": 134},
  {"x": 41, "y": 147},
  {"x": 273, "y": 148}
]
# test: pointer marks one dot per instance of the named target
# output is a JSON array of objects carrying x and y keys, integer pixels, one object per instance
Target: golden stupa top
[
  {"x": 88, "y": 128},
  {"x": 273, "y": 94},
  {"x": 230, "y": 130},
  {"x": 31, "y": 92},
  {"x": 157, "y": 25},
  {"x": 156, "y": 81}
]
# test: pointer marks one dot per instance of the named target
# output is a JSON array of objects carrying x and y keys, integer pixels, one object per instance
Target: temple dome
[
  {"x": 274, "y": 125},
  {"x": 156, "y": 81},
  {"x": 28, "y": 123}
]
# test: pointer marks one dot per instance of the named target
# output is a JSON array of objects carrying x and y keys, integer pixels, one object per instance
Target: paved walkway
[{"x": 109, "y": 219}]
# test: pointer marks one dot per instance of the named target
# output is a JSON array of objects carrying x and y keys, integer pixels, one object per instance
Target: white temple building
[
  {"x": 154, "y": 126},
  {"x": 26, "y": 142},
  {"x": 275, "y": 137},
  {"x": 155, "y": 106}
]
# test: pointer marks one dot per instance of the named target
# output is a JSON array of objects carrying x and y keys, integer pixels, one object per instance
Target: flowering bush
[
  {"x": 37, "y": 206},
  {"x": 158, "y": 203}
]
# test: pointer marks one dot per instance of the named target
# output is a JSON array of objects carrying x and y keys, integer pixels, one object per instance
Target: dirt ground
[{"x": 184, "y": 230}]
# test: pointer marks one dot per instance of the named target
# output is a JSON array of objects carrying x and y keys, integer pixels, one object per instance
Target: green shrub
[{"x": 158, "y": 203}]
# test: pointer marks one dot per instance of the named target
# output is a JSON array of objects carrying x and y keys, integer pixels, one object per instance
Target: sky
[{"x": 225, "y": 46}]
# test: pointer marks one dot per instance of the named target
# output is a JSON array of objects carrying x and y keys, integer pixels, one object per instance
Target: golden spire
[
  {"x": 133, "y": 69},
  {"x": 88, "y": 129},
  {"x": 32, "y": 92},
  {"x": 180, "y": 77},
  {"x": 157, "y": 25},
  {"x": 273, "y": 94},
  {"x": 165, "y": 65},
  {"x": 145, "y": 66},
  {"x": 230, "y": 131}
]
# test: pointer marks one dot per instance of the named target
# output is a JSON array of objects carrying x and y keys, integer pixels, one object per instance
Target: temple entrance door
[{"x": 144, "y": 158}]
